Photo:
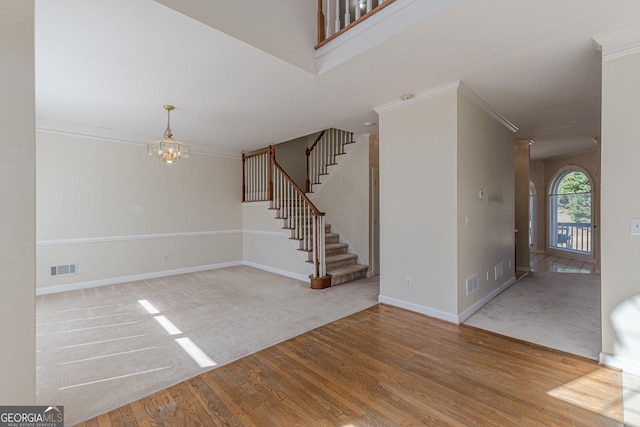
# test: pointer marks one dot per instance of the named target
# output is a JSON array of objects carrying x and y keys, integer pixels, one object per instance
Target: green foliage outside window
[{"x": 574, "y": 195}]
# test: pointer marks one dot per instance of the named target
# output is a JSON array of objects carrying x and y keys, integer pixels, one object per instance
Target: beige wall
[
  {"x": 522, "y": 178},
  {"x": 485, "y": 161},
  {"x": 418, "y": 205},
  {"x": 103, "y": 203},
  {"x": 344, "y": 197},
  {"x": 17, "y": 206},
  {"x": 620, "y": 202}
]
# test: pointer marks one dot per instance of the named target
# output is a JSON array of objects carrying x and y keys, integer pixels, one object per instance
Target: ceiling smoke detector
[{"x": 407, "y": 96}]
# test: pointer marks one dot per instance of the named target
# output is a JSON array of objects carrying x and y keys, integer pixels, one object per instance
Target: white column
[{"x": 18, "y": 206}]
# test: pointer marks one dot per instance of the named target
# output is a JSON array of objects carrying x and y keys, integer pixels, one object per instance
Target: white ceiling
[{"x": 106, "y": 67}]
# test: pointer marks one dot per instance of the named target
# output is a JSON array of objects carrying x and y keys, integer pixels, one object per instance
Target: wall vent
[
  {"x": 499, "y": 270},
  {"x": 472, "y": 284},
  {"x": 63, "y": 270}
]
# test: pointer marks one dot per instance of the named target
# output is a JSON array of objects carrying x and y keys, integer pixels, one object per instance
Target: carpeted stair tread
[
  {"x": 347, "y": 273},
  {"x": 340, "y": 257}
]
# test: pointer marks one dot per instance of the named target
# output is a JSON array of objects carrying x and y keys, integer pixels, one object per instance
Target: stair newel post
[
  {"x": 271, "y": 157},
  {"x": 320, "y": 280},
  {"x": 244, "y": 186},
  {"x": 321, "y": 34},
  {"x": 307, "y": 183}
]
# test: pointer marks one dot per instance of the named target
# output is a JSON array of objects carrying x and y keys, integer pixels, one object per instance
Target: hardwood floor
[{"x": 386, "y": 366}]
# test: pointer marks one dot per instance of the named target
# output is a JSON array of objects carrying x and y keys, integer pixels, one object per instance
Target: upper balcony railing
[
  {"x": 572, "y": 236},
  {"x": 337, "y": 16}
]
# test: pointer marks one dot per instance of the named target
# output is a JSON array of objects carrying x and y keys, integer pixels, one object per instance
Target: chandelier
[{"x": 168, "y": 149}]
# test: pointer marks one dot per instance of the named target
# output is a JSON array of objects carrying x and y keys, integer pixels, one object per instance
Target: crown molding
[
  {"x": 400, "y": 103},
  {"x": 114, "y": 135},
  {"x": 486, "y": 107},
  {"x": 447, "y": 88},
  {"x": 617, "y": 43}
]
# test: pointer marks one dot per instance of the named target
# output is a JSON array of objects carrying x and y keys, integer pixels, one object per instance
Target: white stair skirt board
[
  {"x": 331, "y": 170},
  {"x": 124, "y": 279},
  {"x": 432, "y": 312},
  {"x": 626, "y": 365},
  {"x": 478, "y": 305}
]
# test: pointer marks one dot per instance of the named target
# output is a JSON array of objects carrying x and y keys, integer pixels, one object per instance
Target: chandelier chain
[{"x": 168, "y": 133}]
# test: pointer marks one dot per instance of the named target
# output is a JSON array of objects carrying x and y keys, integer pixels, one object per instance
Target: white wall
[
  {"x": 104, "y": 203},
  {"x": 17, "y": 204},
  {"x": 620, "y": 250},
  {"x": 267, "y": 246},
  {"x": 344, "y": 197},
  {"x": 285, "y": 28},
  {"x": 418, "y": 205},
  {"x": 485, "y": 161}
]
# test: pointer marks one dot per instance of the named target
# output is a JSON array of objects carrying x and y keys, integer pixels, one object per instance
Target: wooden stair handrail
[
  {"x": 256, "y": 154},
  {"x": 307, "y": 152},
  {"x": 314, "y": 210}
]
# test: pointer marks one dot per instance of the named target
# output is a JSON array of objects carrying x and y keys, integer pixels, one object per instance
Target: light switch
[{"x": 635, "y": 226}]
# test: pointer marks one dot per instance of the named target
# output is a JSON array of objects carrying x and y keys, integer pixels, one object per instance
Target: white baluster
[
  {"x": 357, "y": 10},
  {"x": 369, "y": 5},
  {"x": 327, "y": 19},
  {"x": 347, "y": 16},
  {"x": 337, "y": 16}
]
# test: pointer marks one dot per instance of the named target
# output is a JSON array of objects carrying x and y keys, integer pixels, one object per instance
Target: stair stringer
[
  {"x": 264, "y": 246},
  {"x": 304, "y": 256},
  {"x": 340, "y": 159}
]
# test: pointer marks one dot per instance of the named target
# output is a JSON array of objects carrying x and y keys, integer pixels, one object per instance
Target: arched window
[{"x": 570, "y": 195}]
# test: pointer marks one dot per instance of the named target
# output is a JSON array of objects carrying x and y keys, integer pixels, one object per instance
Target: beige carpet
[
  {"x": 557, "y": 310},
  {"x": 99, "y": 348}
]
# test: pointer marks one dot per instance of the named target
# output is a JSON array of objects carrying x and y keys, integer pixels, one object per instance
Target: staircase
[
  {"x": 329, "y": 260},
  {"x": 323, "y": 157},
  {"x": 341, "y": 265}
]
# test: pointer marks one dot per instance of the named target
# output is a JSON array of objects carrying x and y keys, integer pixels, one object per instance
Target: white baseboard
[
  {"x": 132, "y": 278},
  {"x": 125, "y": 279},
  {"x": 478, "y": 305},
  {"x": 279, "y": 271},
  {"x": 432, "y": 312},
  {"x": 626, "y": 365}
]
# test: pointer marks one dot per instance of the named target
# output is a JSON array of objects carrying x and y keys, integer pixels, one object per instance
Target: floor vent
[
  {"x": 63, "y": 270},
  {"x": 472, "y": 284}
]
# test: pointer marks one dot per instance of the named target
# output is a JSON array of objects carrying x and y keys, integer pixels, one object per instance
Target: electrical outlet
[
  {"x": 407, "y": 282},
  {"x": 509, "y": 263},
  {"x": 487, "y": 276}
]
